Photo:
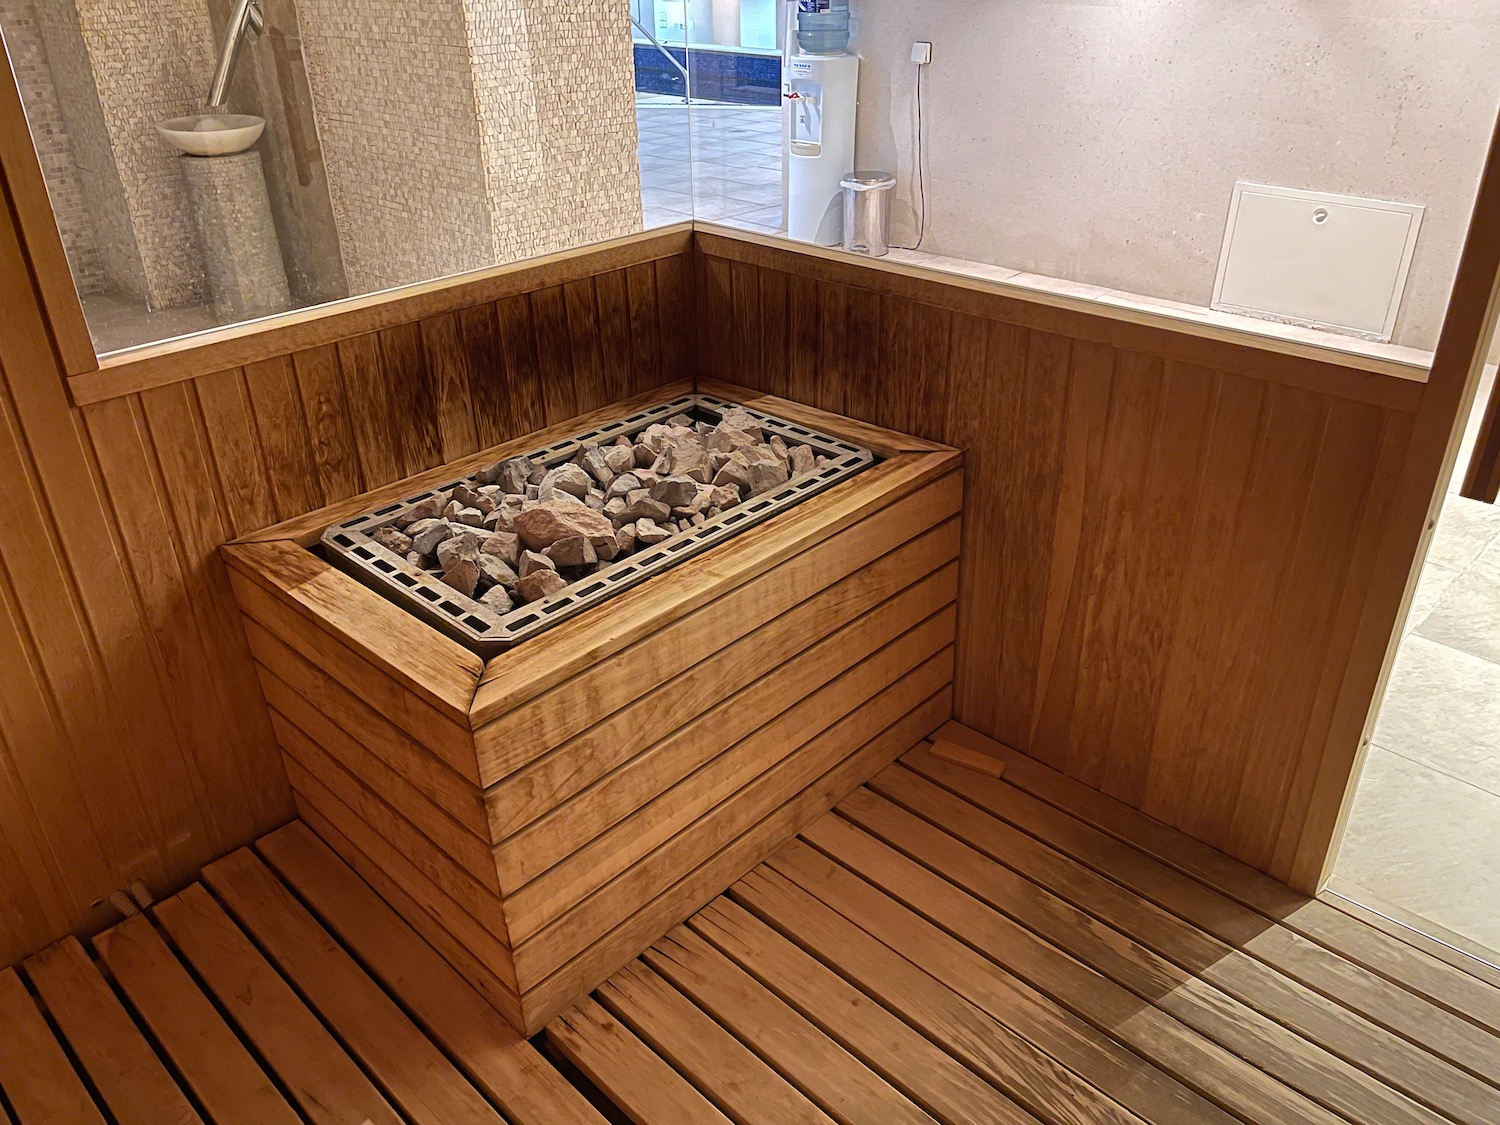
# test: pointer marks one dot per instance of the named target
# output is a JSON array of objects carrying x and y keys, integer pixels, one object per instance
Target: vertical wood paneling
[
  {"x": 225, "y": 406},
  {"x": 276, "y": 405},
  {"x": 612, "y": 292},
  {"x": 448, "y": 367},
  {"x": 645, "y": 328},
  {"x": 554, "y": 354},
  {"x": 590, "y": 388},
  {"x": 371, "y": 415},
  {"x": 1162, "y": 561},
  {"x": 412, "y": 385},
  {"x": 134, "y": 741},
  {"x": 326, "y": 409}
]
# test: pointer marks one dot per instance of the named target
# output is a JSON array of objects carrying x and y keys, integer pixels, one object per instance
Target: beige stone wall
[
  {"x": 150, "y": 62},
  {"x": 54, "y": 143},
  {"x": 1100, "y": 141},
  {"x": 471, "y": 132}
]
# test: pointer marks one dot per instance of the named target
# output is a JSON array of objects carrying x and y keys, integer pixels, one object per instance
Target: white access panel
[{"x": 1328, "y": 261}]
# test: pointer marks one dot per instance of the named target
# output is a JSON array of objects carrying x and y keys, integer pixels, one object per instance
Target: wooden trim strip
[
  {"x": 440, "y": 670},
  {"x": 136, "y": 369},
  {"x": 886, "y": 443},
  {"x": 21, "y": 178},
  {"x": 1279, "y": 361}
]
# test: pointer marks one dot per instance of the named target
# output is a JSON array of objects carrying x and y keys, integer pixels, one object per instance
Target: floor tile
[
  {"x": 1467, "y": 616},
  {"x": 1426, "y": 842},
  {"x": 1442, "y": 708},
  {"x": 1465, "y": 528},
  {"x": 1431, "y": 587}
]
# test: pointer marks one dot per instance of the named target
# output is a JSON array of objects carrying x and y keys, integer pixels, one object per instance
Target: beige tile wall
[
  {"x": 54, "y": 145},
  {"x": 470, "y": 132},
  {"x": 151, "y": 60}
]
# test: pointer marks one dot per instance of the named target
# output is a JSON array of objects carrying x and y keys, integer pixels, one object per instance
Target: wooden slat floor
[
  {"x": 969, "y": 937},
  {"x": 280, "y": 990},
  {"x": 950, "y": 946}
]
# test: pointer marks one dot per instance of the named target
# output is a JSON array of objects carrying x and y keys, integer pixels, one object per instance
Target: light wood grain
[
  {"x": 490, "y": 1051},
  {"x": 738, "y": 856},
  {"x": 635, "y": 1079},
  {"x": 799, "y": 1050},
  {"x": 420, "y": 1081},
  {"x": 35, "y": 1074},
  {"x": 110, "y": 1049},
  {"x": 1170, "y": 541},
  {"x": 728, "y": 1072},
  {"x": 313, "y": 1068},
  {"x": 223, "y": 1076}
]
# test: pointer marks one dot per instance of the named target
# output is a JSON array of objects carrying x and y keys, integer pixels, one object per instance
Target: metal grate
[{"x": 349, "y": 546}]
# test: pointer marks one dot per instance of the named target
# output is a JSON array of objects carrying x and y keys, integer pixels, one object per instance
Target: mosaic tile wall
[
  {"x": 54, "y": 146},
  {"x": 152, "y": 60},
  {"x": 472, "y": 131}
]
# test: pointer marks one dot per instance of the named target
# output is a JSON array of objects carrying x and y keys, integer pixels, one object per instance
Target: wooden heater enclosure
[{"x": 543, "y": 816}]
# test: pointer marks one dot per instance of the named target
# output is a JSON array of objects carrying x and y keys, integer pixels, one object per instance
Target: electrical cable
[{"x": 921, "y": 169}]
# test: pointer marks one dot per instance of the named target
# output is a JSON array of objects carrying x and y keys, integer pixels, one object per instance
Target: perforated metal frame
[{"x": 348, "y": 544}]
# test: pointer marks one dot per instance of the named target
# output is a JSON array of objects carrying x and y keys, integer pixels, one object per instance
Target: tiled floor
[
  {"x": 1424, "y": 832},
  {"x": 734, "y": 170}
]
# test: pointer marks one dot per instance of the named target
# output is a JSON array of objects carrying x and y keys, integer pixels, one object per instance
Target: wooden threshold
[{"x": 948, "y": 946}]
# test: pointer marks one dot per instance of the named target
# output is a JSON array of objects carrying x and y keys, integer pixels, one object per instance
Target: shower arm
[{"x": 246, "y": 19}]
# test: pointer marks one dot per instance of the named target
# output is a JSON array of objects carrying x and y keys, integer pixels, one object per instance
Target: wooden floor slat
[
  {"x": 492, "y": 1053},
  {"x": 224, "y": 1077},
  {"x": 944, "y": 947},
  {"x": 122, "y": 1066},
  {"x": 804, "y": 1055},
  {"x": 1347, "y": 937},
  {"x": 721, "y": 1067},
  {"x": 1379, "y": 1052},
  {"x": 640, "y": 1084},
  {"x": 35, "y": 1075},
  {"x": 325, "y": 1083},
  {"x": 1000, "y": 948},
  {"x": 1220, "y": 917},
  {"x": 1301, "y": 1063},
  {"x": 418, "y": 1077}
]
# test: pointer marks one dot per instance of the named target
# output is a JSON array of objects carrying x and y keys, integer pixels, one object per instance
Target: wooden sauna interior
[{"x": 1183, "y": 554}]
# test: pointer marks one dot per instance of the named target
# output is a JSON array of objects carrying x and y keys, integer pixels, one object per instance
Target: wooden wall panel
[
  {"x": 1165, "y": 547},
  {"x": 134, "y": 741}
]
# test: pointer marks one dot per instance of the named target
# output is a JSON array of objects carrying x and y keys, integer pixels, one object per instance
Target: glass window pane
[{"x": 355, "y": 147}]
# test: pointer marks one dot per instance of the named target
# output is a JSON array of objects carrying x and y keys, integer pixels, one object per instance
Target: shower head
[{"x": 246, "y": 21}]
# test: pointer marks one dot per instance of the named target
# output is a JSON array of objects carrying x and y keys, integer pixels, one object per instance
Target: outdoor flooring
[{"x": 1424, "y": 832}]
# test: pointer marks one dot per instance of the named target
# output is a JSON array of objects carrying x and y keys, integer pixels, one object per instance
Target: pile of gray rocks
[{"x": 518, "y": 531}]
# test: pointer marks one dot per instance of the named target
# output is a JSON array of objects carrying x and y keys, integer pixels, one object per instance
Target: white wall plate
[{"x": 1307, "y": 257}]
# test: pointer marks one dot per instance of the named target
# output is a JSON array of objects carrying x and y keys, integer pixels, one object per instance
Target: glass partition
[
  {"x": 216, "y": 161},
  {"x": 1117, "y": 151}
]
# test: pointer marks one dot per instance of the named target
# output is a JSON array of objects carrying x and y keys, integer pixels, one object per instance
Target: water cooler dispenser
[{"x": 821, "y": 95}]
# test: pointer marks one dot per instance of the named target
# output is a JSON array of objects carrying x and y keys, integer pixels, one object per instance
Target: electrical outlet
[{"x": 921, "y": 53}]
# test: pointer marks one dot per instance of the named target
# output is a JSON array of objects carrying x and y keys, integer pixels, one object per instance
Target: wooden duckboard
[{"x": 543, "y": 816}]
